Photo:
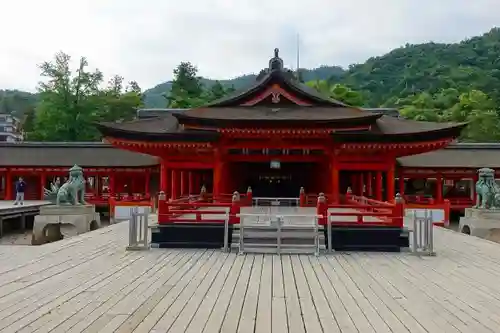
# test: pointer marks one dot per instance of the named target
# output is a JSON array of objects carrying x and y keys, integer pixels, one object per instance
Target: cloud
[{"x": 145, "y": 40}]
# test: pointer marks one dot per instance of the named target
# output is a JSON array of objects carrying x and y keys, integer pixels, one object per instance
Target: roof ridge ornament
[{"x": 276, "y": 63}]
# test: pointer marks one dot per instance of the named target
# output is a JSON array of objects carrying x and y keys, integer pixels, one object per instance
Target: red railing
[
  {"x": 361, "y": 211},
  {"x": 193, "y": 209}
]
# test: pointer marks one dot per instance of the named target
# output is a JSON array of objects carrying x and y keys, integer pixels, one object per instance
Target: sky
[{"x": 145, "y": 40}]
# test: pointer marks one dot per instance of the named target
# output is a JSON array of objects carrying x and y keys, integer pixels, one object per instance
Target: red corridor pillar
[
  {"x": 439, "y": 188},
  {"x": 43, "y": 179},
  {"x": 378, "y": 186},
  {"x": 390, "y": 184},
  {"x": 190, "y": 183},
  {"x": 369, "y": 189},
  {"x": 401, "y": 185},
  {"x": 182, "y": 177},
  {"x": 163, "y": 177},
  {"x": 174, "y": 188},
  {"x": 335, "y": 183},
  {"x": 8, "y": 185}
]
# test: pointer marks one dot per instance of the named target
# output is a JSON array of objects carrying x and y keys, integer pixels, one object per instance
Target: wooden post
[
  {"x": 234, "y": 209},
  {"x": 348, "y": 196},
  {"x": 302, "y": 197},
  {"x": 249, "y": 196},
  {"x": 322, "y": 209},
  {"x": 162, "y": 208},
  {"x": 439, "y": 188},
  {"x": 398, "y": 211},
  {"x": 378, "y": 186},
  {"x": 447, "y": 208}
]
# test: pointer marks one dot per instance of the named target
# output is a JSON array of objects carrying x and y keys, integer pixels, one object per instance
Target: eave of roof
[
  {"x": 265, "y": 117},
  {"x": 67, "y": 154}
]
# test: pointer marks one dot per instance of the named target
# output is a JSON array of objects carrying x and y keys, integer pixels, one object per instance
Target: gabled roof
[
  {"x": 67, "y": 154},
  {"x": 277, "y": 100},
  {"x": 458, "y": 155}
]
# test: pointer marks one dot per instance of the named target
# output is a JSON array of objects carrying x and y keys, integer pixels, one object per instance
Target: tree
[
  {"x": 337, "y": 91},
  {"x": 70, "y": 103},
  {"x": 187, "y": 90},
  {"x": 447, "y": 105}
]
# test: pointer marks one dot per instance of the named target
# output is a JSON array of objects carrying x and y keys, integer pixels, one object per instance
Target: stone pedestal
[
  {"x": 53, "y": 219},
  {"x": 480, "y": 222}
]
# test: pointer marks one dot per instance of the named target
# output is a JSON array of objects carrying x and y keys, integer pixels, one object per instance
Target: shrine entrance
[{"x": 275, "y": 179}]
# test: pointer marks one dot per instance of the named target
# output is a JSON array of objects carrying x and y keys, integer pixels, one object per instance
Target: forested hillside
[{"x": 413, "y": 69}]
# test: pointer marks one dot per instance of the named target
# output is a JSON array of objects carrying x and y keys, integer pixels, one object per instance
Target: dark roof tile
[{"x": 68, "y": 154}]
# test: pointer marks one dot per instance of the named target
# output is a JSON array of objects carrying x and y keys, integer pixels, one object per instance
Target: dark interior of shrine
[{"x": 276, "y": 179}]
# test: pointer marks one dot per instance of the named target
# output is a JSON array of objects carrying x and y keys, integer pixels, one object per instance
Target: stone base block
[
  {"x": 56, "y": 221},
  {"x": 479, "y": 222}
]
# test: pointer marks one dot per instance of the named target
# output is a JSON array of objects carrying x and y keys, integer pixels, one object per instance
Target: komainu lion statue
[
  {"x": 70, "y": 193},
  {"x": 487, "y": 190}
]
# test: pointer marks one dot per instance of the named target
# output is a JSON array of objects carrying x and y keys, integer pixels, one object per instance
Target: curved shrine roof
[{"x": 277, "y": 100}]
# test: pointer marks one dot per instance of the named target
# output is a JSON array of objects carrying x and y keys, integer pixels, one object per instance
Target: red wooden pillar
[
  {"x": 378, "y": 185},
  {"x": 335, "y": 182},
  {"x": 369, "y": 189},
  {"x": 8, "y": 185},
  {"x": 163, "y": 177},
  {"x": 174, "y": 189},
  {"x": 147, "y": 180},
  {"x": 354, "y": 183},
  {"x": 361, "y": 184},
  {"x": 439, "y": 188},
  {"x": 43, "y": 179},
  {"x": 190, "y": 183},
  {"x": 475, "y": 178},
  {"x": 112, "y": 184},
  {"x": 182, "y": 176},
  {"x": 390, "y": 184},
  {"x": 401, "y": 186},
  {"x": 218, "y": 179}
]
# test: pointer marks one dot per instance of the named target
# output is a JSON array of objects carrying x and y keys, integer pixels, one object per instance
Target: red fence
[{"x": 200, "y": 209}]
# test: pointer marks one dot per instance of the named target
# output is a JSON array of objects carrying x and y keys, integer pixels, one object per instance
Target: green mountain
[{"x": 471, "y": 64}]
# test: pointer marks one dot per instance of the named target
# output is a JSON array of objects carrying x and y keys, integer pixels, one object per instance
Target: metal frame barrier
[
  {"x": 138, "y": 231},
  {"x": 423, "y": 235},
  {"x": 278, "y": 222},
  {"x": 226, "y": 233},
  {"x": 276, "y": 201}
]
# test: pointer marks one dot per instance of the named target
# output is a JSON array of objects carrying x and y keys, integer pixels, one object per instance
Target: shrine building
[{"x": 277, "y": 136}]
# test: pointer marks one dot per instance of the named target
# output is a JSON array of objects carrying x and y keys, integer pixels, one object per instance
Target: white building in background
[{"x": 10, "y": 128}]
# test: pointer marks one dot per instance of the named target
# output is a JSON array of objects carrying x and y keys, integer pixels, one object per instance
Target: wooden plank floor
[{"x": 90, "y": 283}]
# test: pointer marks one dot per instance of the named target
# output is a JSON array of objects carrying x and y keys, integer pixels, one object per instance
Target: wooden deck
[{"x": 90, "y": 283}]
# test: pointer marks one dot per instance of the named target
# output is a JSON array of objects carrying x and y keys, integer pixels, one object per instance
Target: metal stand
[
  {"x": 138, "y": 229},
  {"x": 423, "y": 235}
]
